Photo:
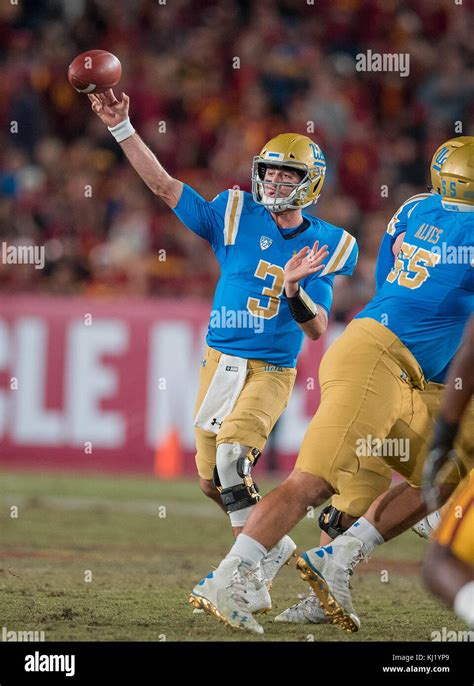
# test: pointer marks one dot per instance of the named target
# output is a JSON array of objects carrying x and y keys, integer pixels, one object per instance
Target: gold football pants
[
  {"x": 371, "y": 406},
  {"x": 265, "y": 395}
]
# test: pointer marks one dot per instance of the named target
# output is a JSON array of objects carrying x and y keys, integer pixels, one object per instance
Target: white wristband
[{"x": 122, "y": 130}]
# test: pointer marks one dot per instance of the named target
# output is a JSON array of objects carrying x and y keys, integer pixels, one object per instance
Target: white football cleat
[
  {"x": 426, "y": 526},
  {"x": 259, "y": 599},
  {"x": 278, "y": 556},
  {"x": 306, "y": 611},
  {"x": 258, "y": 595},
  {"x": 328, "y": 570},
  {"x": 224, "y": 594}
]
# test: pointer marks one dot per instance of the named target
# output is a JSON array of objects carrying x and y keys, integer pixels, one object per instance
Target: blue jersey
[
  {"x": 428, "y": 295},
  {"x": 396, "y": 226},
  {"x": 386, "y": 258},
  {"x": 250, "y": 317}
]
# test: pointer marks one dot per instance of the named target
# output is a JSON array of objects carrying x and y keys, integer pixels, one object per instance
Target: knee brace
[
  {"x": 233, "y": 478},
  {"x": 330, "y": 521}
]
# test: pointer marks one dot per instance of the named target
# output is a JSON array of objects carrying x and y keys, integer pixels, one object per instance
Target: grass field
[{"x": 144, "y": 544}]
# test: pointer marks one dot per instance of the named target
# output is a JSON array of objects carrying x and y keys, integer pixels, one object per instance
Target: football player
[
  {"x": 370, "y": 381},
  {"x": 278, "y": 266},
  {"x": 448, "y": 569},
  {"x": 356, "y": 492}
]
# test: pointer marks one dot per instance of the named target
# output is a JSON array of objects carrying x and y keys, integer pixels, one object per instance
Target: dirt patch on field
[{"x": 404, "y": 567}]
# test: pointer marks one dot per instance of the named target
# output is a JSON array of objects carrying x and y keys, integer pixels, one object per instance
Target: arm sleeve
[
  {"x": 206, "y": 219},
  {"x": 319, "y": 290},
  {"x": 343, "y": 261},
  {"x": 342, "y": 257},
  {"x": 348, "y": 264}
]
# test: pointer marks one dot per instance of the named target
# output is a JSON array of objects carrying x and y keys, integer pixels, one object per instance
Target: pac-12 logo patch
[{"x": 265, "y": 242}]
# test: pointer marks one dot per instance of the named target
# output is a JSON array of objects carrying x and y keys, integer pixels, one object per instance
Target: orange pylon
[{"x": 168, "y": 461}]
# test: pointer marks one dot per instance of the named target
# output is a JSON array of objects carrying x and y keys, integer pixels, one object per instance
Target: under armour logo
[
  {"x": 237, "y": 615},
  {"x": 265, "y": 242},
  {"x": 320, "y": 552}
]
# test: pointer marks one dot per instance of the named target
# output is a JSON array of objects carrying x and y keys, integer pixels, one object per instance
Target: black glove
[{"x": 440, "y": 452}]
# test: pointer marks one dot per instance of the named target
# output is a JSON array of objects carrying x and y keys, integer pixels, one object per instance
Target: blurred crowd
[{"x": 210, "y": 81}]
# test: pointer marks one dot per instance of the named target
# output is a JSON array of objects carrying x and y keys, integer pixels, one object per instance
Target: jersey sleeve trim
[
  {"x": 340, "y": 255},
  {"x": 391, "y": 226},
  {"x": 233, "y": 212}
]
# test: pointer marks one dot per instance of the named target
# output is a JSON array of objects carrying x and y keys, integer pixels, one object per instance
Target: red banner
[{"x": 103, "y": 385}]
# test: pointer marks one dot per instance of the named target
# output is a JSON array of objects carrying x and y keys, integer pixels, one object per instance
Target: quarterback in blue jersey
[
  {"x": 252, "y": 250},
  {"x": 278, "y": 265},
  {"x": 371, "y": 378}
]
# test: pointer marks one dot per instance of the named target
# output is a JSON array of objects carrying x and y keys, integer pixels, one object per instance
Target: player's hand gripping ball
[{"x": 94, "y": 71}]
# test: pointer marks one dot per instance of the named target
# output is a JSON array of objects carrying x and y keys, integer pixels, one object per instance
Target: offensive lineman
[{"x": 356, "y": 492}]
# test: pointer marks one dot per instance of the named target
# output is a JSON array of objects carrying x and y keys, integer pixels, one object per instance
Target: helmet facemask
[{"x": 295, "y": 200}]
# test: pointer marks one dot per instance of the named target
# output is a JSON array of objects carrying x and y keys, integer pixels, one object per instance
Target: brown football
[{"x": 94, "y": 71}]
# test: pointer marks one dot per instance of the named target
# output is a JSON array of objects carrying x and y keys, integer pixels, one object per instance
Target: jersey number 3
[
  {"x": 419, "y": 259},
  {"x": 273, "y": 292}
]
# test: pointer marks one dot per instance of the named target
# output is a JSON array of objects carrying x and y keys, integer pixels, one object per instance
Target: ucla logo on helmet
[
  {"x": 441, "y": 158},
  {"x": 319, "y": 159}
]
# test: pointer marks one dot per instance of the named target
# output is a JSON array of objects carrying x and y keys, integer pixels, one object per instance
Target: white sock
[
  {"x": 239, "y": 517},
  {"x": 365, "y": 532},
  {"x": 248, "y": 549},
  {"x": 464, "y": 603}
]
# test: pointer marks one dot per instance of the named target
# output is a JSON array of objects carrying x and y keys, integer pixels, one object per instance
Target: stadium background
[
  {"x": 123, "y": 382},
  {"x": 100, "y": 350}
]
